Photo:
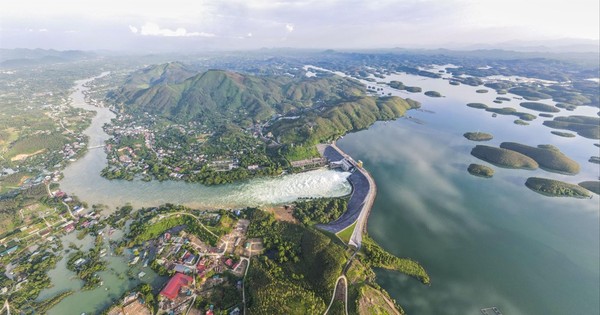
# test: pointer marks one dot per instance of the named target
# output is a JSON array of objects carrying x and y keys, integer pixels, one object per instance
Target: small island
[
  {"x": 521, "y": 122},
  {"x": 481, "y": 91},
  {"x": 504, "y": 111},
  {"x": 585, "y": 126},
  {"x": 540, "y": 107},
  {"x": 454, "y": 82},
  {"x": 433, "y": 94},
  {"x": 400, "y": 86},
  {"x": 594, "y": 159},
  {"x": 562, "y": 134},
  {"x": 592, "y": 185},
  {"x": 502, "y": 98},
  {"x": 568, "y": 107},
  {"x": 548, "y": 157},
  {"x": 504, "y": 157},
  {"x": 546, "y": 115},
  {"x": 477, "y": 105},
  {"x": 478, "y": 136},
  {"x": 480, "y": 170},
  {"x": 556, "y": 188}
]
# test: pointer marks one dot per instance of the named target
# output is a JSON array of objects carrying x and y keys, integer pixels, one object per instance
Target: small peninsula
[
  {"x": 478, "y": 136},
  {"x": 556, "y": 188},
  {"x": 592, "y": 185},
  {"x": 504, "y": 157},
  {"x": 480, "y": 170}
]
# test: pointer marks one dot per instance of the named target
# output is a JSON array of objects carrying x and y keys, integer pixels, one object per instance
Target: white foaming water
[{"x": 318, "y": 183}]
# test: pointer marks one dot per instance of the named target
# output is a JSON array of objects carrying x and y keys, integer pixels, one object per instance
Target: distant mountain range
[{"x": 12, "y": 58}]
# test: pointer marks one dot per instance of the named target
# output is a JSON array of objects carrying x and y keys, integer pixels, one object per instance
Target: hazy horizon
[{"x": 241, "y": 25}]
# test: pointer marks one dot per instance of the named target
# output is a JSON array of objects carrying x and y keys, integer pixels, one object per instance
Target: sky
[{"x": 124, "y": 25}]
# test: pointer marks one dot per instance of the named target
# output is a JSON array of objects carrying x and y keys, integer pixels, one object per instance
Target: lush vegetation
[
  {"x": 511, "y": 111},
  {"x": 433, "y": 94},
  {"x": 549, "y": 158},
  {"x": 563, "y": 134},
  {"x": 520, "y": 122},
  {"x": 504, "y": 157},
  {"x": 378, "y": 257},
  {"x": 143, "y": 231},
  {"x": 333, "y": 122},
  {"x": 215, "y": 97},
  {"x": 478, "y": 136},
  {"x": 299, "y": 270},
  {"x": 588, "y": 127},
  {"x": 320, "y": 210},
  {"x": 400, "y": 86},
  {"x": 556, "y": 188},
  {"x": 217, "y": 127},
  {"x": 480, "y": 170},
  {"x": 477, "y": 105},
  {"x": 593, "y": 186},
  {"x": 540, "y": 107}
]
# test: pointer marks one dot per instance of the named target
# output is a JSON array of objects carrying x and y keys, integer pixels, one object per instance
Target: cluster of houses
[{"x": 195, "y": 264}]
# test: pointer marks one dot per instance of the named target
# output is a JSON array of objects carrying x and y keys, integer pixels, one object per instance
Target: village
[{"x": 202, "y": 278}]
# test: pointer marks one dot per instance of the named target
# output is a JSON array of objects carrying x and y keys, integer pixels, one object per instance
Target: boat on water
[
  {"x": 141, "y": 274},
  {"x": 146, "y": 262}
]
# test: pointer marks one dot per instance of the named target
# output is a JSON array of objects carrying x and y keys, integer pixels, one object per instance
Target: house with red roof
[{"x": 173, "y": 287}]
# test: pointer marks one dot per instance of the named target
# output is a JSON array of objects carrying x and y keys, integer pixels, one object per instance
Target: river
[
  {"x": 82, "y": 178},
  {"x": 484, "y": 242}
]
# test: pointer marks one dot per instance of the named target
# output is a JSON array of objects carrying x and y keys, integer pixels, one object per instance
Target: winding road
[{"x": 342, "y": 277}]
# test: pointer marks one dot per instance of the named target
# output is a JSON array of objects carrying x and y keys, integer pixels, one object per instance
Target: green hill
[
  {"x": 549, "y": 158},
  {"x": 218, "y": 96},
  {"x": 556, "y": 188},
  {"x": 585, "y": 126},
  {"x": 504, "y": 157},
  {"x": 336, "y": 121}
]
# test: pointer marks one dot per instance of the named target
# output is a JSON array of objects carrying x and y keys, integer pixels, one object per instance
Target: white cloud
[
  {"x": 289, "y": 27},
  {"x": 152, "y": 29},
  {"x": 43, "y": 30},
  {"x": 249, "y": 35}
]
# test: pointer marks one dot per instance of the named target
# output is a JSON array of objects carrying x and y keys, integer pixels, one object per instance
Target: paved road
[
  {"x": 342, "y": 277},
  {"x": 361, "y": 201}
]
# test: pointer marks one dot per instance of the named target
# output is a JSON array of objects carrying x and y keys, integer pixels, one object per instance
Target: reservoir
[{"x": 484, "y": 242}]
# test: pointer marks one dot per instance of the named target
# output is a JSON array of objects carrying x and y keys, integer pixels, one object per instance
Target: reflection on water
[{"x": 485, "y": 242}]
